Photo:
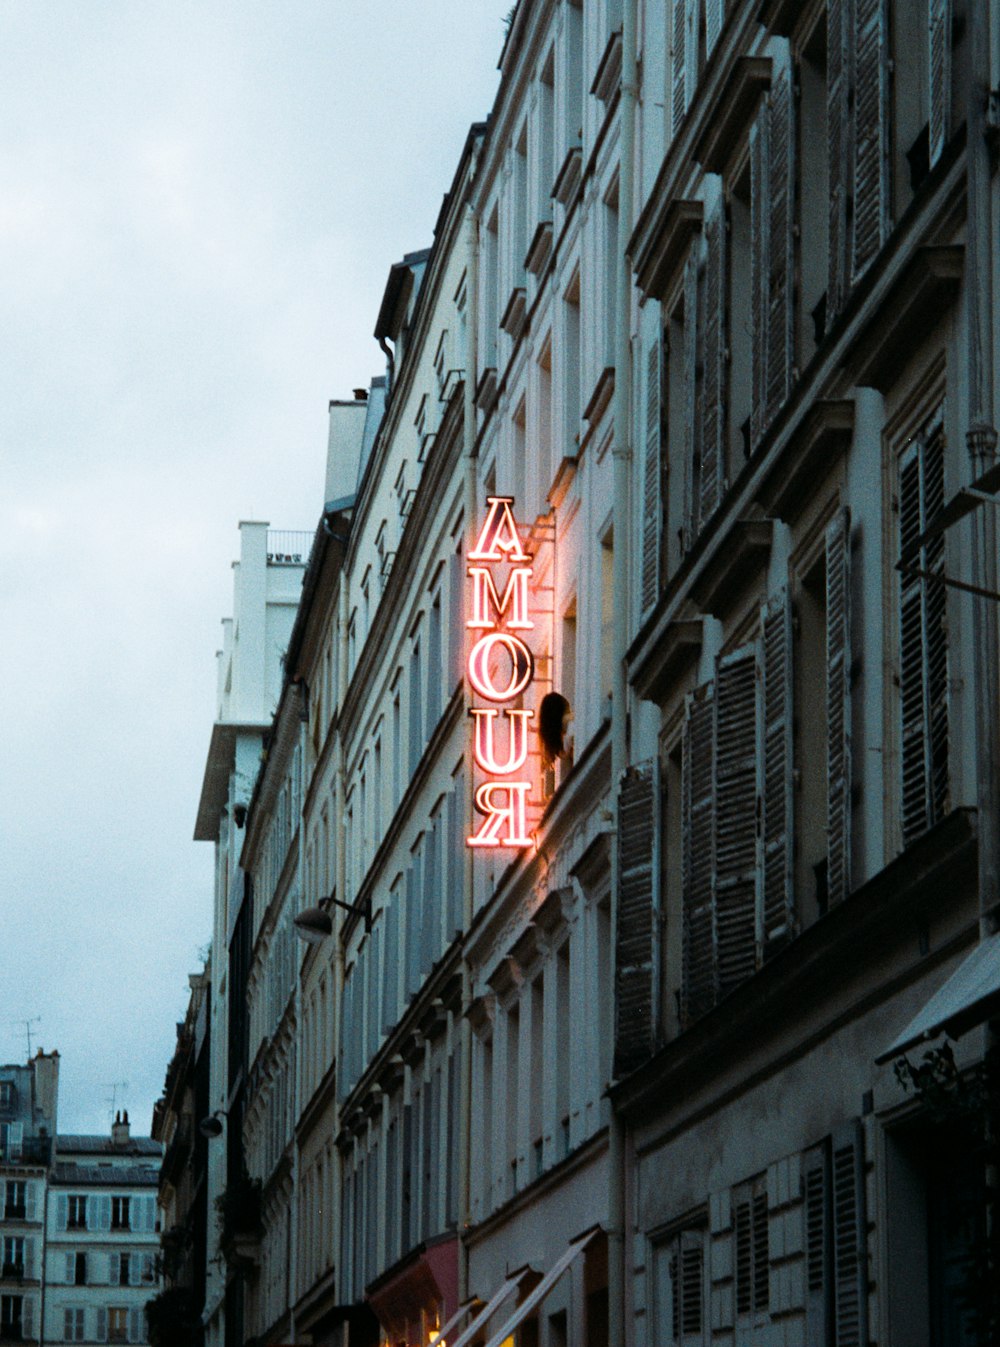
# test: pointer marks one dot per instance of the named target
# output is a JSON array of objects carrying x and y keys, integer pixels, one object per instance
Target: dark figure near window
[{"x": 554, "y": 716}]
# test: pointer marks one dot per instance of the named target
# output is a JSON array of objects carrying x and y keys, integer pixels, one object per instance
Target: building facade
[{"x": 101, "y": 1241}]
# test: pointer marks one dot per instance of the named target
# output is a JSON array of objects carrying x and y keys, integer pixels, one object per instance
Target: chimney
[{"x": 120, "y": 1129}]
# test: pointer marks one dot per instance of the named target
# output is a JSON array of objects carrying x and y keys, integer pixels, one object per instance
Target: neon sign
[{"x": 500, "y": 669}]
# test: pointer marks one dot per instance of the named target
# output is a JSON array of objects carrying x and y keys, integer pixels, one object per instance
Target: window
[
  {"x": 13, "y": 1256},
  {"x": 11, "y": 1140},
  {"x": 120, "y": 1213},
  {"x": 923, "y": 637},
  {"x": 14, "y": 1203},
  {"x": 117, "y": 1324},
  {"x": 678, "y": 1266},
  {"x": 8, "y": 1095},
  {"x": 74, "y": 1319},
  {"x": 13, "y": 1320}
]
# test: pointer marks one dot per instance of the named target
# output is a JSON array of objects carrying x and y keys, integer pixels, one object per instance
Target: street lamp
[{"x": 212, "y": 1126}]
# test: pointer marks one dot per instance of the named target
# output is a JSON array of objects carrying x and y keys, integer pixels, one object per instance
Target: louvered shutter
[
  {"x": 939, "y": 75},
  {"x": 871, "y": 133},
  {"x": 28, "y": 1317},
  {"x": 692, "y": 447},
  {"x": 637, "y": 917},
  {"x": 389, "y": 981},
  {"x": 923, "y": 638},
  {"x": 838, "y": 124},
  {"x": 736, "y": 792},
  {"x": 134, "y": 1270},
  {"x": 678, "y": 65},
  {"x": 778, "y": 912},
  {"x": 62, "y": 1211},
  {"x": 15, "y": 1140},
  {"x": 743, "y": 1261},
  {"x": 652, "y": 484},
  {"x": 114, "y": 1269},
  {"x": 850, "y": 1260},
  {"x": 456, "y": 858},
  {"x": 759, "y": 277},
  {"x": 780, "y": 110},
  {"x": 838, "y": 706},
  {"x": 135, "y": 1333},
  {"x": 70, "y": 1276},
  {"x": 818, "y": 1248},
  {"x": 102, "y": 1324},
  {"x": 3, "y": 1197},
  {"x": 30, "y": 1198},
  {"x": 69, "y": 1325},
  {"x": 713, "y": 458},
  {"x": 714, "y": 15},
  {"x": 692, "y": 15},
  {"x": 689, "y": 1287},
  {"x": 412, "y": 953},
  {"x": 697, "y": 811},
  {"x": 103, "y": 1212}
]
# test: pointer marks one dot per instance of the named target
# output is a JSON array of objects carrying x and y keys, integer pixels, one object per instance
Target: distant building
[
  {"x": 183, "y": 1196},
  {"x": 28, "y": 1103},
  {"x": 101, "y": 1237}
]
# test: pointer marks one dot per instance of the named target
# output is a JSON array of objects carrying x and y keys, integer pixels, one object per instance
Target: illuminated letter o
[{"x": 479, "y": 666}]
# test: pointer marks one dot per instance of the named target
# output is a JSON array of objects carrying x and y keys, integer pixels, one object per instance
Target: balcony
[{"x": 288, "y": 547}]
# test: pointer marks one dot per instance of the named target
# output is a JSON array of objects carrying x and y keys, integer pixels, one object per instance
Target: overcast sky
[{"x": 199, "y": 204}]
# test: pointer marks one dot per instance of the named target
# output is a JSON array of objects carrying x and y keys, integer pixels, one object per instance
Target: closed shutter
[
  {"x": 62, "y": 1211},
  {"x": 818, "y": 1246},
  {"x": 102, "y": 1324},
  {"x": 923, "y": 638},
  {"x": 713, "y": 458},
  {"x": 412, "y": 950},
  {"x": 686, "y": 1270},
  {"x": 838, "y": 705},
  {"x": 637, "y": 924},
  {"x": 838, "y": 127},
  {"x": 759, "y": 299},
  {"x": 850, "y": 1261},
  {"x": 778, "y": 912},
  {"x": 652, "y": 485},
  {"x": 939, "y": 75},
  {"x": 135, "y": 1317},
  {"x": 714, "y": 15},
  {"x": 871, "y": 133},
  {"x": 103, "y": 1212},
  {"x": 736, "y": 817},
  {"x": 678, "y": 66},
  {"x": 69, "y": 1325},
  {"x": 780, "y": 110},
  {"x": 697, "y": 861},
  {"x": 134, "y": 1270},
  {"x": 389, "y": 979},
  {"x": 692, "y": 437}
]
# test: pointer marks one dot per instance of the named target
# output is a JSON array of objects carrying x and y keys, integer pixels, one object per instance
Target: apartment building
[
  {"x": 29, "y": 1097},
  {"x": 101, "y": 1240}
]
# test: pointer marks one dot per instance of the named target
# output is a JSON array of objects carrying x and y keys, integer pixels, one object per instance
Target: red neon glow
[
  {"x": 522, "y": 666},
  {"x": 484, "y": 748},
  {"x": 499, "y": 539},
  {"x": 515, "y": 597},
  {"x": 511, "y": 812}
]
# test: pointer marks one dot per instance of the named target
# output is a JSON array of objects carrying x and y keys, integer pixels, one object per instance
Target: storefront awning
[
  {"x": 970, "y": 996},
  {"x": 507, "y": 1289},
  {"x": 575, "y": 1248}
]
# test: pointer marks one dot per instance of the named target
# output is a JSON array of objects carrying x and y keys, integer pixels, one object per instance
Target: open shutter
[
  {"x": 69, "y": 1326},
  {"x": 102, "y": 1324},
  {"x": 15, "y": 1140},
  {"x": 678, "y": 66},
  {"x": 103, "y": 1212},
  {"x": 692, "y": 446},
  {"x": 819, "y": 1252},
  {"x": 148, "y": 1268},
  {"x": 780, "y": 270},
  {"x": 29, "y": 1258},
  {"x": 759, "y": 273},
  {"x": 936, "y": 623},
  {"x": 28, "y": 1318},
  {"x": 391, "y": 965},
  {"x": 939, "y": 75},
  {"x": 637, "y": 924},
  {"x": 850, "y": 1261},
  {"x": 713, "y": 458},
  {"x": 135, "y": 1333},
  {"x": 134, "y": 1270},
  {"x": 62, "y": 1211},
  {"x": 714, "y": 15},
  {"x": 114, "y": 1269},
  {"x": 735, "y": 850},
  {"x": 30, "y": 1198},
  {"x": 70, "y": 1274},
  {"x": 838, "y": 125},
  {"x": 871, "y": 133},
  {"x": 838, "y": 705},
  {"x": 697, "y": 810},
  {"x": 652, "y": 484},
  {"x": 776, "y": 795}
]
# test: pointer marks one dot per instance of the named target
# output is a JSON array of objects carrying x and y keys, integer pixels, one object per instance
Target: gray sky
[{"x": 199, "y": 204}]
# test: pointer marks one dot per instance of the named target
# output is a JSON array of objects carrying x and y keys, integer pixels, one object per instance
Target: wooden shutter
[
  {"x": 637, "y": 917},
  {"x": 871, "y": 133},
  {"x": 923, "y": 651},
  {"x": 850, "y": 1261},
  {"x": 714, "y": 16},
  {"x": 735, "y": 849},
  {"x": 134, "y": 1270},
  {"x": 692, "y": 446},
  {"x": 103, "y": 1212},
  {"x": 780, "y": 253},
  {"x": 389, "y": 979},
  {"x": 69, "y": 1325},
  {"x": 30, "y": 1197},
  {"x": 102, "y": 1323},
  {"x": 135, "y": 1333},
  {"x": 838, "y": 705},
  {"x": 29, "y": 1257},
  {"x": 697, "y": 811},
  {"x": 759, "y": 300},
  {"x": 652, "y": 485},
  {"x": 686, "y": 1271},
  {"x": 678, "y": 65},
  {"x": 28, "y": 1317},
  {"x": 818, "y": 1247},
  {"x": 15, "y": 1140},
  {"x": 838, "y": 127},
  {"x": 713, "y": 457},
  {"x": 939, "y": 75},
  {"x": 114, "y": 1269},
  {"x": 70, "y": 1276},
  {"x": 62, "y": 1211},
  {"x": 778, "y": 910}
]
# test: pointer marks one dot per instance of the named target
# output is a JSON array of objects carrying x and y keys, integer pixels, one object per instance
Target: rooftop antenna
[
  {"x": 112, "y": 1100},
  {"x": 35, "y": 1019}
]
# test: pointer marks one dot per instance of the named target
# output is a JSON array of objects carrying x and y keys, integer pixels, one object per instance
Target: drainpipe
[
  {"x": 390, "y": 372},
  {"x": 469, "y": 453},
  {"x": 622, "y": 464},
  {"x": 293, "y": 1252}
]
